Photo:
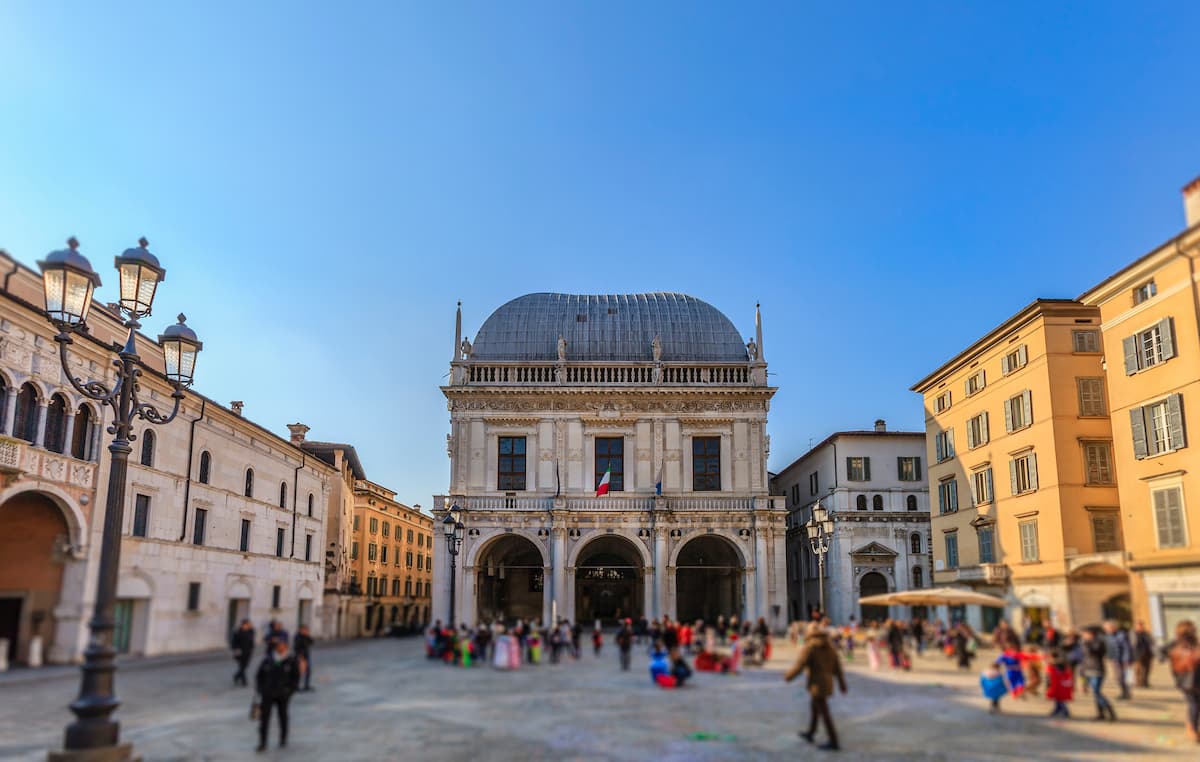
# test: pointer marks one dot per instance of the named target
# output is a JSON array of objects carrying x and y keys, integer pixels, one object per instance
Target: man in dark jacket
[
  {"x": 302, "y": 648},
  {"x": 625, "y": 643},
  {"x": 241, "y": 641},
  {"x": 275, "y": 632},
  {"x": 1143, "y": 654},
  {"x": 277, "y": 679},
  {"x": 820, "y": 659}
]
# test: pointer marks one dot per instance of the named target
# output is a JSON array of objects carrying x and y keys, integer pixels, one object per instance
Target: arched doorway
[
  {"x": 608, "y": 581},
  {"x": 510, "y": 580},
  {"x": 708, "y": 580},
  {"x": 1099, "y": 591},
  {"x": 33, "y": 532},
  {"x": 872, "y": 583}
]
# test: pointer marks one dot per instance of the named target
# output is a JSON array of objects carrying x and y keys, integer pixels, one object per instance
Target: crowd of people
[{"x": 285, "y": 669}]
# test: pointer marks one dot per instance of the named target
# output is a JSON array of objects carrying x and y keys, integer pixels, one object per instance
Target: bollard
[
  {"x": 35, "y": 651},
  {"x": 3, "y": 654}
]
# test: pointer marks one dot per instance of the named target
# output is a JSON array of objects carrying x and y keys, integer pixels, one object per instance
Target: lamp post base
[{"x": 120, "y": 753}]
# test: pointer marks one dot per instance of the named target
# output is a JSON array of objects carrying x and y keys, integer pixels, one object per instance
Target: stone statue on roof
[
  {"x": 562, "y": 349},
  {"x": 752, "y": 350},
  {"x": 467, "y": 349},
  {"x": 656, "y": 348}
]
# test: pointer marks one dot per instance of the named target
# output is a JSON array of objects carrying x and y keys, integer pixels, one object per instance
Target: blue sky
[{"x": 890, "y": 180}]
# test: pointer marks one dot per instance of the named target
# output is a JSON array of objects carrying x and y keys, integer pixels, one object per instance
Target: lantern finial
[
  {"x": 143, "y": 242},
  {"x": 72, "y": 243}
]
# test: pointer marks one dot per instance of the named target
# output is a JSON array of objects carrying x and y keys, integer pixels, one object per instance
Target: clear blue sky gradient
[{"x": 890, "y": 180}]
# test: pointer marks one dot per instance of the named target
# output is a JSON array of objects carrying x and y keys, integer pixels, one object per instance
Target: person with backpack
[
  {"x": 1184, "y": 655},
  {"x": 820, "y": 660}
]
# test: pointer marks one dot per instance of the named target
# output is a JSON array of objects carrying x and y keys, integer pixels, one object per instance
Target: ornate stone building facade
[{"x": 659, "y": 392}]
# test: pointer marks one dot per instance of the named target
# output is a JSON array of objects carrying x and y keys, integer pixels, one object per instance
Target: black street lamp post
[
  {"x": 820, "y": 531},
  {"x": 69, "y": 281},
  {"x": 453, "y": 528}
]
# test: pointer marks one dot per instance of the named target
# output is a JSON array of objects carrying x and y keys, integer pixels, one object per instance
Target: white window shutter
[
  {"x": 1028, "y": 396},
  {"x": 984, "y": 427},
  {"x": 950, "y": 442},
  {"x": 1008, "y": 424},
  {"x": 1033, "y": 479},
  {"x": 1022, "y": 356},
  {"x": 974, "y": 491},
  {"x": 1129, "y": 348},
  {"x": 1166, "y": 334},
  {"x": 967, "y": 388},
  {"x": 991, "y": 488},
  {"x": 1012, "y": 477},
  {"x": 1004, "y": 369},
  {"x": 1137, "y": 425},
  {"x": 970, "y": 435}
]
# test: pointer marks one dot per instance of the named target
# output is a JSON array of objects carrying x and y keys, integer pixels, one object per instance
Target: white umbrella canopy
[{"x": 937, "y": 596}]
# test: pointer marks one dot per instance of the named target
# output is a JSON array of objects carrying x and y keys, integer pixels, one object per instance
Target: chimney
[
  {"x": 1191, "y": 202},
  {"x": 237, "y": 406},
  {"x": 298, "y": 431},
  {"x": 880, "y": 424}
]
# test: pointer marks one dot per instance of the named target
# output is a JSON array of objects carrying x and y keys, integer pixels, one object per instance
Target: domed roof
[{"x": 615, "y": 327}]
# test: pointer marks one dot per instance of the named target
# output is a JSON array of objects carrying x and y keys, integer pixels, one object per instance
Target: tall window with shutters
[
  {"x": 942, "y": 402},
  {"x": 948, "y": 496},
  {"x": 1085, "y": 342},
  {"x": 1105, "y": 532},
  {"x": 977, "y": 431},
  {"x": 1091, "y": 397},
  {"x": 952, "y": 550},
  {"x": 1149, "y": 347},
  {"x": 943, "y": 445},
  {"x": 1029, "y": 540},
  {"x": 1022, "y": 471},
  {"x": 1169, "y": 518},
  {"x": 975, "y": 383},
  {"x": 1014, "y": 360},
  {"x": 1097, "y": 462},
  {"x": 1018, "y": 411},
  {"x": 987, "y": 544},
  {"x": 981, "y": 486},
  {"x": 908, "y": 469},
  {"x": 1158, "y": 427},
  {"x": 858, "y": 469}
]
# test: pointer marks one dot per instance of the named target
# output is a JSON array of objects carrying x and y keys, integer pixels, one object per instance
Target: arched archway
[
  {"x": 708, "y": 580},
  {"x": 609, "y": 580},
  {"x": 872, "y": 583},
  {"x": 509, "y": 579},
  {"x": 33, "y": 536},
  {"x": 1099, "y": 591}
]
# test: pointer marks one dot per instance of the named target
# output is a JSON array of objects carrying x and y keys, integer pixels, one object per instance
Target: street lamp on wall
[
  {"x": 453, "y": 529},
  {"x": 820, "y": 531},
  {"x": 68, "y": 283}
]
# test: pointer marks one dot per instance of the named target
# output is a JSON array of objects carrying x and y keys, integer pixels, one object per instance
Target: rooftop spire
[
  {"x": 758, "y": 331},
  {"x": 457, "y": 331}
]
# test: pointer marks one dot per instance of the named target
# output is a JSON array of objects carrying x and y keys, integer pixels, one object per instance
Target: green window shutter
[
  {"x": 1012, "y": 477},
  {"x": 1033, "y": 479},
  {"x": 1137, "y": 425},
  {"x": 939, "y": 447},
  {"x": 1129, "y": 347},
  {"x": 1166, "y": 334},
  {"x": 1028, "y": 397},
  {"x": 953, "y": 494},
  {"x": 867, "y": 469},
  {"x": 917, "y": 468},
  {"x": 1175, "y": 421},
  {"x": 1008, "y": 424},
  {"x": 848, "y": 461}
]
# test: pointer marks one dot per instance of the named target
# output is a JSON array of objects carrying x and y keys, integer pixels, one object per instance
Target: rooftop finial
[
  {"x": 73, "y": 243},
  {"x": 143, "y": 242},
  {"x": 182, "y": 318}
]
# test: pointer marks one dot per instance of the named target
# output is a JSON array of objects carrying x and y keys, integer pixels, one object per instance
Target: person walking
[
  {"x": 820, "y": 660},
  {"x": 277, "y": 679},
  {"x": 1094, "y": 652},
  {"x": 1060, "y": 683},
  {"x": 1184, "y": 654},
  {"x": 241, "y": 641},
  {"x": 625, "y": 643},
  {"x": 597, "y": 639},
  {"x": 275, "y": 632},
  {"x": 1120, "y": 654},
  {"x": 302, "y": 648},
  {"x": 1143, "y": 655}
]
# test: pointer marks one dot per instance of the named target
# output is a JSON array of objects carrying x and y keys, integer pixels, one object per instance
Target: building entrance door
[
  {"x": 708, "y": 580},
  {"x": 510, "y": 581},
  {"x": 873, "y": 583},
  {"x": 10, "y": 624},
  {"x": 608, "y": 581}
]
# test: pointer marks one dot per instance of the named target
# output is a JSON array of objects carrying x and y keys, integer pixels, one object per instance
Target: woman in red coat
[{"x": 1060, "y": 684}]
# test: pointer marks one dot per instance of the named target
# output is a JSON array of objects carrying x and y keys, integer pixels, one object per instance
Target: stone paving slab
[{"x": 382, "y": 700}]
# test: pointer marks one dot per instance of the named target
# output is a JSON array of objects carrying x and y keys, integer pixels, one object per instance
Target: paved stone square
[{"x": 382, "y": 700}]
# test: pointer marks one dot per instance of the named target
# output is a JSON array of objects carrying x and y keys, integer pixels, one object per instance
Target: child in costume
[
  {"x": 1032, "y": 659},
  {"x": 1010, "y": 660},
  {"x": 1060, "y": 683},
  {"x": 991, "y": 682}
]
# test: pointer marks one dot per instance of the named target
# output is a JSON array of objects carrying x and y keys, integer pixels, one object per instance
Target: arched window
[
  {"x": 81, "y": 439},
  {"x": 877, "y": 502},
  {"x": 915, "y": 542},
  {"x": 912, "y": 502},
  {"x": 310, "y": 503},
  {"x": 862, "y": 502},
  {"x": 148, "y": 448},
  {"x": 918, "y": 577},
  {"x": 249, "y": 482},
  {"x": 56, "y": 424},
  {"x": 205, "y": 467},
  {"x": 26, "y": 419},
  {"x": 283, "y": 494}
]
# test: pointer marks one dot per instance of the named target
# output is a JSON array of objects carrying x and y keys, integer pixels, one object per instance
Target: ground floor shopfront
[{"x": 586, "y": 565}]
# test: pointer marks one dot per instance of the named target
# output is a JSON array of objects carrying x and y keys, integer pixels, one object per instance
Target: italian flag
[{"x": 602, "y": 488}]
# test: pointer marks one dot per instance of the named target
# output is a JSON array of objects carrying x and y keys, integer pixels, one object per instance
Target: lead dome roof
[{"x": 614, "y": 327}]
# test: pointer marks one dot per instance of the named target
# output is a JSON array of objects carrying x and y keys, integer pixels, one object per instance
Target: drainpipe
[
  {"x": 187, "y": 485},
  {"x": 11, "y": 272},
  {"x": 295, "y": 496}
]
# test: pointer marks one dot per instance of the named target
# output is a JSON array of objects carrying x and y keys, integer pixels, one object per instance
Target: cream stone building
[
  {"x": 223, "y": 518},
  {"x": 1021, "y": 475},
  {"x": 558, "y": 390},
  {"x": 873, "y": 484},
  {"x": 1150, "y": 313}
]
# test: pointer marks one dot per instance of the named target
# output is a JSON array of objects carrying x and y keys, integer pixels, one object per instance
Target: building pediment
[{"x": 874, "y": 550}]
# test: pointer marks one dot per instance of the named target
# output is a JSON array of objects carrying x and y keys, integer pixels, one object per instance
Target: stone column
[
  {"x": 10, "y": 411},
  {"x": 547, "y": 593},
  {"x": 568, "y": 612},
  {"x": 558, "y": 559},
  {"x": 40, "y": 439},
  {"x": 69, "y": 437},
  {"x": 660, "y": 572},
  {"x": 670, "y": 605},
  {"x": 760, "y": 562},
  {"x": 467, "y": 606}
]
